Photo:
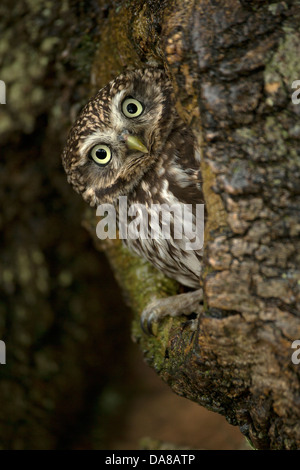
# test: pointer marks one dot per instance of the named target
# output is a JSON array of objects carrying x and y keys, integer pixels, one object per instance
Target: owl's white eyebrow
[
  {"x": 97, "y": 137},
  {"x": 118, "y": 98},
  {"x": 117, "y": 118}
]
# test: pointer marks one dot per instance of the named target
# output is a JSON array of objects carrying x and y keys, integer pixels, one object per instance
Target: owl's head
[{"x": 119, "y": 135}]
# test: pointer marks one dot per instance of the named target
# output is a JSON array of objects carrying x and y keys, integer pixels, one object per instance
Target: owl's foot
[{"x": 176, "y": 305}]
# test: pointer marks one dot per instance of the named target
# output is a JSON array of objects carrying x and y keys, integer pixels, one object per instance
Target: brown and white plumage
[{"x": 168, "y": 172}]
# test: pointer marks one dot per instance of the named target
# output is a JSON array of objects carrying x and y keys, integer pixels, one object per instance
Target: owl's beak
[{"x": 134, "y": 143}]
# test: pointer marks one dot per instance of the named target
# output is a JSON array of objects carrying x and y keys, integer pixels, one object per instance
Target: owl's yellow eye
[
  {"x": 101, "y": 154},
  {"x": 132, "y": 108}
]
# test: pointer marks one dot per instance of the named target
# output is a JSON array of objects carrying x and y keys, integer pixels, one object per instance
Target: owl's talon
[
  {"x": 176, "y": 305},
  {"x": 147, "y": 320},
  {"x": 150, "y": 325}
]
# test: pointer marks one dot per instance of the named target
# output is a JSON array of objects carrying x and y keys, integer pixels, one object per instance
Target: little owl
[{"x": 130, "y": 141}]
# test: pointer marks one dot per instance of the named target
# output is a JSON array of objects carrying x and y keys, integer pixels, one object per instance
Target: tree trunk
[{"x": 232, "y": 64}]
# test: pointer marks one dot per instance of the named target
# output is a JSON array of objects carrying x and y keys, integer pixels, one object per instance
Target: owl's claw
[
  {"x": 148, "y": 318},
  {"x": 176, "y": 305}
]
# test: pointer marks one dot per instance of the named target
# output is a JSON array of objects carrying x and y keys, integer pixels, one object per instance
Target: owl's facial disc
[{"x": 119, "y": 135}]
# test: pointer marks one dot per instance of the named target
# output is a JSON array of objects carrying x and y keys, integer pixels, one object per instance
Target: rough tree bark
[{"x": 232, "y": 64}]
